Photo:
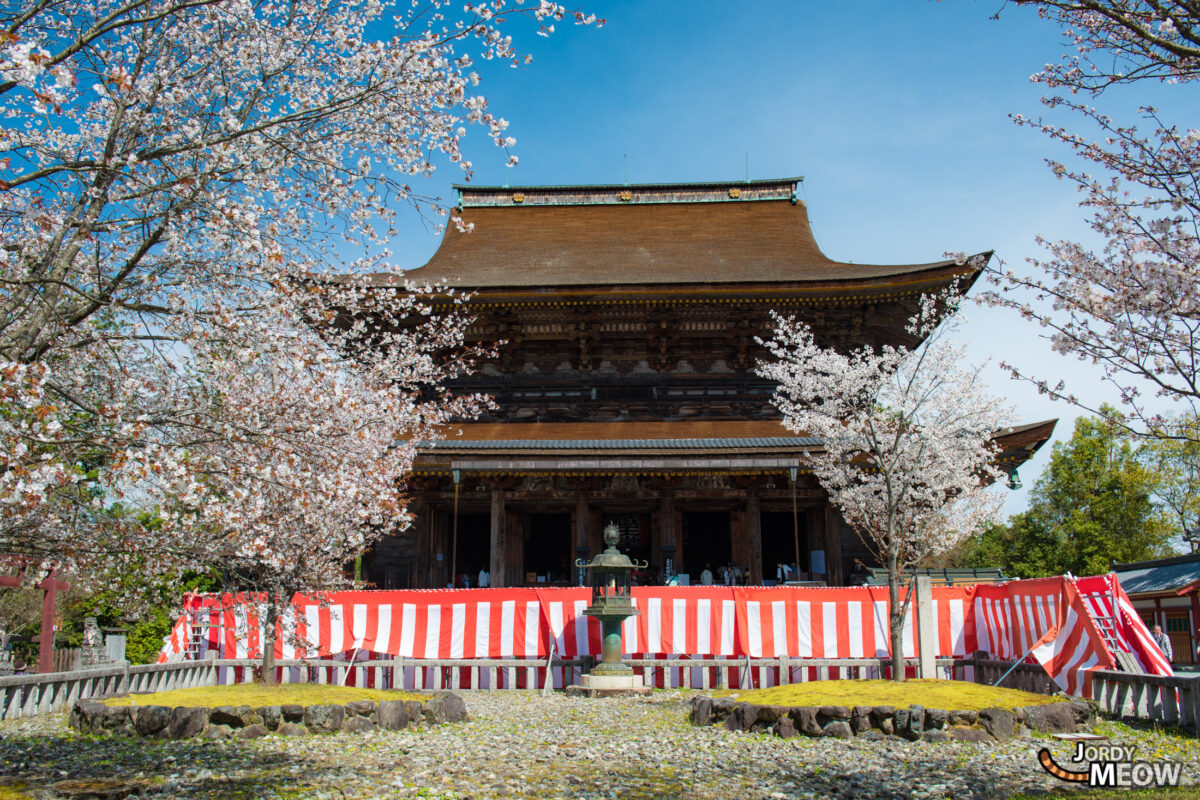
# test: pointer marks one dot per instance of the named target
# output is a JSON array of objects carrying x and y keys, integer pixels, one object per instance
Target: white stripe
[
  {"x": 408, "y": 630},
  {"x": 508, "y": 611},
  {"x": 779, "y": 629},
  {"x": 287, "y": 632},
  {"x": 829, "y": 621},
  {"x": 312, "y": 629},
  {"x": 359, "y": 629},
  {"x": 629, "y": 633},
  {"x": 483, "y": 629},
  {"x": 383, "y": 633},
  {"x": 803, "y": 629},
  {"x": 582, "y": 644},
  {"x": 983, "y": 639},
  {"x": 906, "y": 634},
  {"x": 854, "y": 610},
  {"x": 703, "y": 626},
  {"x": 958, "y": 634},
  {"x": 654, "y": 626},
  {"x": 433, "y": 630},
  {"x": 754, "y": 629},
  {"x": 533, "y": 622},
  {"x": 558, "y": 627},
  {"x": 679, "y": 643},
  {"x": 240, "y": 627},
  {"x": 337, "y": 629},
  {"x": 458, "y": 629},
  {"x": 883, "y": 630},
  {"x": 727, "y": 619}
]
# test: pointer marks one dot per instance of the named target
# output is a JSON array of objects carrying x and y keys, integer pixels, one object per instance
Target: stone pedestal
[{"x": 609, "y": 686}]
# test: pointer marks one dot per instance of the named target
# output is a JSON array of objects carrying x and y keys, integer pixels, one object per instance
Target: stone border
[
  {"x": 878, "y": 722},
  {"x": 244, "y": 722}
]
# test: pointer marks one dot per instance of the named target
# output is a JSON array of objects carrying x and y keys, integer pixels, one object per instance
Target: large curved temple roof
[{"x": 753, "y": 233}]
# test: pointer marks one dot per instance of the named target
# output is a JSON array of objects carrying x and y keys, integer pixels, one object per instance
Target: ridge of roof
[
  {"x": 469, "y": 187},
  {"x": 1156, "y": 562}
]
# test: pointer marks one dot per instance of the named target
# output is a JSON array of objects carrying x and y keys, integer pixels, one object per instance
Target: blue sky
[{"x": 896, "y": 114}]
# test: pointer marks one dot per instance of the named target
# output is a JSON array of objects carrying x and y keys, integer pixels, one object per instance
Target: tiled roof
[
  {"x": 625, "y": 444},
  {"x": 1161, "y": 575},
  {"x": 694, "y": 235}
]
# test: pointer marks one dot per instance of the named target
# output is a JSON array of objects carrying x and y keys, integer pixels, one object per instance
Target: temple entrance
[
  {"x": 706, "y": 542},
  {"x": 547, "y": 549},
  {"x": 634, "y": 542},
  {"x": 779, "y": 543},
  {"x": 474, "y": 547}
]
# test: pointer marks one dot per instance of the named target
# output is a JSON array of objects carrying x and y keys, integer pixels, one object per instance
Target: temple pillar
[
  {"x": 666, "y": 533},
  {"x": 833, "y": 546},
  {"x": 739, "y": 546},
  {"x": 515, "y": 537},
  {"x": 754, "y": 539},
  {"x": 498, "y": 551},
  {"x": 580, "y": 521},
  {"x": 420, "y": 551},
  {"x": 816, "y": 543},
  {"x": 595, "y": 531}
]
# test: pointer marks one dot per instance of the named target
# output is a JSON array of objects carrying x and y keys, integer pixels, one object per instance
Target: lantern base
[{"x": 609, "y": 686}]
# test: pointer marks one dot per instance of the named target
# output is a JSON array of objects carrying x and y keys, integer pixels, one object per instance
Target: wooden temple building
[{"x": 627, "y": 392}]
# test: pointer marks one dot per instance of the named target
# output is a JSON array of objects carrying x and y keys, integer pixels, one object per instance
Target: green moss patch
[
  {"x": 258, "y": 694},
  {"x": 929, "y": 693}
]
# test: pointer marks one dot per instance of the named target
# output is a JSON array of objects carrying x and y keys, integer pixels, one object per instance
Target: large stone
[
  {"x": 721, "y": 709},
  {"x": 769, "y": 715},
  {"x": 358, "y": 725},
  {"x": 785, "y": 728},
  {"x": 416, "y": 710},
  {"x": 999, "y": 722},
  {"x": 830, "y": 713},
  {"x": 935, "y": 719},
  {"x": 86, "y": 716},
  {"x": 805, "y": 719},
  {"x": 255, "y": 731},
  {"x": 963, "y": 717},
  {"x": 879, "y": 714},
  {"x": 702, "y": 707},
  {"x": 860, "y": 719},
  {"x": 151, "y": 720},
  {"x": 360, "y": 708},
  {"x": 873, "y": 735},
  {"x": 742, "y": 717},
  {"x": 935, "y": 736},
  {"x": 271, "y": 716},
  {"x": 292, "y": 712},
  {"x": 961, "y": 734},
  {"x": 916, "y": 723},
  {"x": 216, "y": 732},
  {"x": 1085, "y": 713},
  {"x": 1051, "y": 718},
  {"x": 324, "y": 718},
  {"x": 113, "y": 717},
  {"x": 291, "y": 729},
  {"x": 837, "y": 729},
  {"x": 234, "y": 716},
  {"x": 187, "y": 722},
  {"x": 887, "y": 726},
  {"x": 447, "y": 707},
  {"x": 392, "y": 715}
]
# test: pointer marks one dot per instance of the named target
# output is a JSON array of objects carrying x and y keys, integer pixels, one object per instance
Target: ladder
[{"x": 1108, "y": 632}]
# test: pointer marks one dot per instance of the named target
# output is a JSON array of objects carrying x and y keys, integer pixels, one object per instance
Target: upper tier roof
[{"x": 699, "y": 233}]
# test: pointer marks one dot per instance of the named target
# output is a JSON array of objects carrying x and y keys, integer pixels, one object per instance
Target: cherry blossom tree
[
  {"x": 1130, "y": 305},
  {"x": 178, "y": 180},
  {"x": 907, "y": 439}
]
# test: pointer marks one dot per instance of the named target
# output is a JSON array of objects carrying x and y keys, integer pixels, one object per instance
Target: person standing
[
  {"x": 1163, "y": 641},
  {"x": 484, "y": 579},
  {"x": 706, "y": 577}
]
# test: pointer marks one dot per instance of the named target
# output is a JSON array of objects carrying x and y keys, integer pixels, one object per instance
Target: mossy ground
[
  {"x": 950, "y": 695},
  {"x": 258, "y": 694}
]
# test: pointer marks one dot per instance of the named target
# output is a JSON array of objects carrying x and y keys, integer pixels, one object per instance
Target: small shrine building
[{"x": 627, "y": 392}]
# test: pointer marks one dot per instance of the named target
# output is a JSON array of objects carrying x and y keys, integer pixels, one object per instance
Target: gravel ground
[{"x": 525, "y": 745}]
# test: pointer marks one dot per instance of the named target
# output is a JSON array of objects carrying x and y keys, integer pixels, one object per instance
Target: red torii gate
[{"x": 51, "y": 585}]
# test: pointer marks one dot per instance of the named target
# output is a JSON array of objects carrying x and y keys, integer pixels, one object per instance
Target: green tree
[
  {"x": 1174, "y": 460},
  {"x": 1096, "y": 503}
]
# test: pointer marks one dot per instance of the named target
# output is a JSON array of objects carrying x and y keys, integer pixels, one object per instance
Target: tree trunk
[
  {"x": 895, "y": 618},
  {"x": 268, "y": 644}
]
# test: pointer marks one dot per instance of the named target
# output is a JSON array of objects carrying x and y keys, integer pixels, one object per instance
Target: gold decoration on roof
[
  {"x": 518, "y": 198},
  {"x": 625, "y": 196},
  {"x": 735, "y": 193}
]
